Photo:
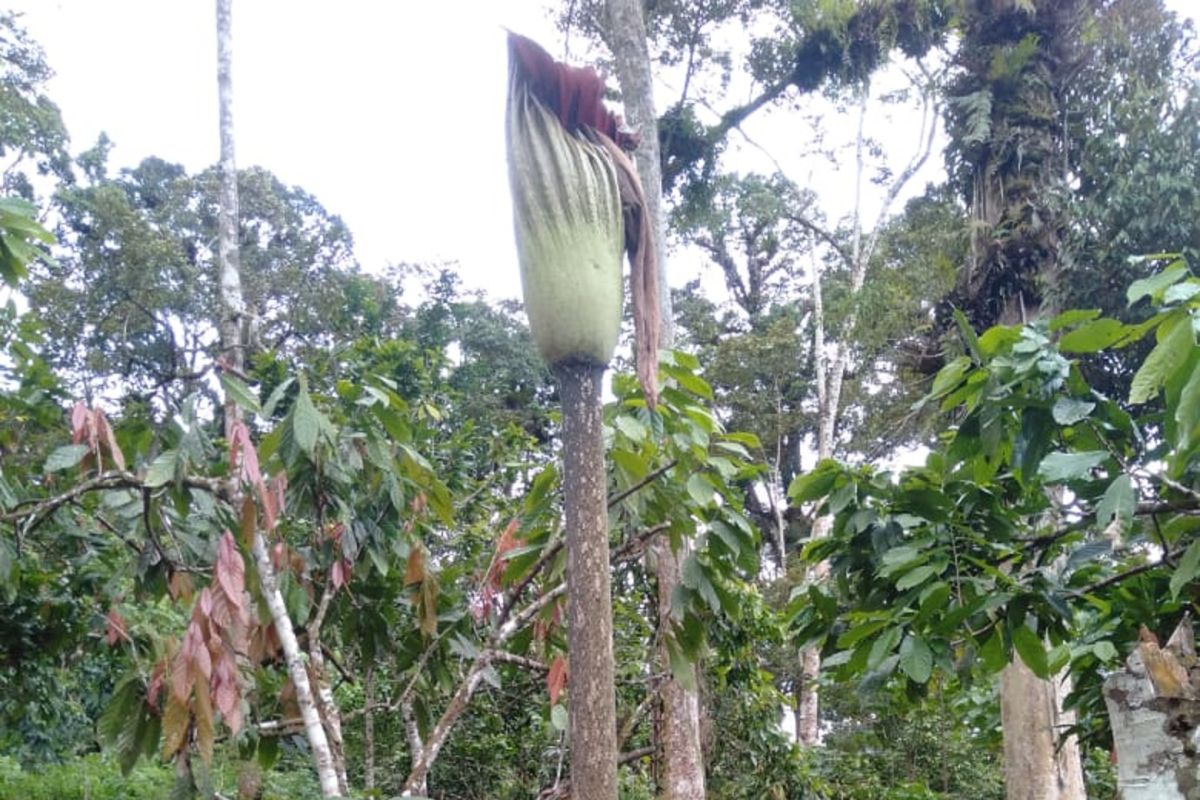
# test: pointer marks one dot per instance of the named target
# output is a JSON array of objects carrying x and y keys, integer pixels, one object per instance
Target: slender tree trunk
[
  {"x": 232, "y": 311},
  {"x": 626, "y": 38},
  {"x": 593, "y": 717},
  {"x": 682, "y": 758},
  {"x": 326, "y": 704},
  {"x": 1037, "y": 766}
]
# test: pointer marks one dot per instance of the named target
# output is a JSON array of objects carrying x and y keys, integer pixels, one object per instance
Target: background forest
[{"x": 922, "y": 482}]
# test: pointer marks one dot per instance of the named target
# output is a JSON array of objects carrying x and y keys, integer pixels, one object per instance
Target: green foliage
[
  {"x": 1026, "y": 532},
  {"x": 91, "y": 777}
]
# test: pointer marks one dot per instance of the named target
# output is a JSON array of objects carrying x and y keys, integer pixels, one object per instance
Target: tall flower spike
[{"x": 577, "y": 201}]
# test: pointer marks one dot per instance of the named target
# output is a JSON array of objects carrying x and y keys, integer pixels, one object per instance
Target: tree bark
[
  {"x": 1036, "y": 765},
  {"x": 682, "y": 757},
  {"x": 314, "y": 731},
  {"x": 232, "y": 310},
  {"x": 1154, "y": 710},
  {"x": 625, "y": 36},
  {"x": 593, "y": 713}
]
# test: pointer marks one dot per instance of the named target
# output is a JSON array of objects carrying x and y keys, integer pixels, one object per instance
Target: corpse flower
[{"x": 577, "y": 205}]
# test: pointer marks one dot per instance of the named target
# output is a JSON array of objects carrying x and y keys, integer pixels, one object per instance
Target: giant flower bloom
[{"x": 577, "y": 204}]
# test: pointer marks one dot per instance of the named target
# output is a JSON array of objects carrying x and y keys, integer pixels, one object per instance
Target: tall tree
[
  {"x": 232, "y": 313},
  {"x": 683, "y": 762}
]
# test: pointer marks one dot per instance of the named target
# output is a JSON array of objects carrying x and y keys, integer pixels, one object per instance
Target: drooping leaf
[
  {"x": 1176, "y": 339},
  {"x": 1029, "y": 646},
  {"x": 916, "y": 659},
  {"x": 1060, "y": 467}
]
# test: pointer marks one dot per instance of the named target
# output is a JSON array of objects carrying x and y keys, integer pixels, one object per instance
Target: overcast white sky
[{"x": 390, "y": 113}]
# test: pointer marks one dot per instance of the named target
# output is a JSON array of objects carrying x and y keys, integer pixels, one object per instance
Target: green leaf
[
  {"x": 306, "y": 422},
  {"x": 1029, "y": 647},
  {"x": 162, "y": 469},
  {"x": 815, "y": 484},
  {"x": 991, "y": 654},
  {"x": 681, "y": 665},
  {"x": 1073, "y": 317},
  {"x": 1187, "y": 413},
  {"x": 1059, "y": 467},
  {"x": 632, "y": 428},
  {"x": 968, "y": 334},
  {"x": 1106, "y": 651},
  {"x": 1120, "y": 500},
  {"x": 1069, "y": 410},
  {"x": 1189, "y": 565},
  {"x": 1175, "y": 343},
  {"x": 1155, "y": 284},
  {"x": 1093, "y": 337},
  {"x": 240, "y": 393},
  {"x": 916, "y": 659},
  {"x": 66, "y": 457},
  {"x": 701, "y": 491},
  {"x": 882, "y": 646},
  {"x": 916, "y": 576}
]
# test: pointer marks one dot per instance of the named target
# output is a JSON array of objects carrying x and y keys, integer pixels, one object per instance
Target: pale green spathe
[{"x": 570, "y": 234}]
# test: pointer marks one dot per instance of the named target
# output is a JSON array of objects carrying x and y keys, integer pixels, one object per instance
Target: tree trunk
[
  {"x": 296, "y": 667},
  {"x": 593, "y": 712},
  {"x": 232, "y": 310},
  {"x": 682, "y": 760},
  {"x": 1036, "y": 765},
  {"x": 1154, "y": 711}
]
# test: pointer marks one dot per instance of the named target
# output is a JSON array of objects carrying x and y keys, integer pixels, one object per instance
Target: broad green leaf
[
  {"x": 273, "y": 399},
  {"x": 1181, "y": 292},
  {"x": 66, "y": 457},
  {"x": 968, "y": 334},
  {"x": 991, "y": 654},
  {"x": 240, "y": 393},
  {"x": 815, "y": 484},
  {"x": 1175, "y": 342},
  {"x": 1029, "y": 647},
  {"x": 1155, "y": 284},
  {"x": 306, "y": 422},
  {"x": 1187, "y": 413},
  {"x": 950, "y": 376},
  {"x": 1093, "y": 337},
  {"x": 916, "y": 659},
  {"x": 631, "y": 427},
  {"x": 1069, "y": 410},
  {"x": 1059, "y": 467},
  {"x": 1073, "y": 317},
  {"x": 1120, "y": 500},
  {"x": 1105, "y": 651},
  {"x": 700, "y": 490},
  {"x": 162, "y": 469},
  {"x": 882, "y": 646},
  {"x": 917, "y": 576},
  {"x": 681, "y": 665},
  {"x": 1189, "y": 565},
  {"x": 859, "y": 632}
]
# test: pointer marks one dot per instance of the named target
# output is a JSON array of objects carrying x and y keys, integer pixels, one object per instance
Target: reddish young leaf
[
  {"x": 105, "y": 432},
  {"x": 79, "y": 422},
  {"x": 157, "y": 679},
  {"x": 231, "y": 570},
  {"x": 556, "y": 679},
  {"x": 205, "y": 735},
  {"x": 414, "y": 570},
  {"x": 116, "y": 630},
  {"x": 175, "y": 721}
]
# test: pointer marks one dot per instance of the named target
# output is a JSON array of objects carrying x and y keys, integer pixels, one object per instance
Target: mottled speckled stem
[{"x": 589, "y": 602}]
